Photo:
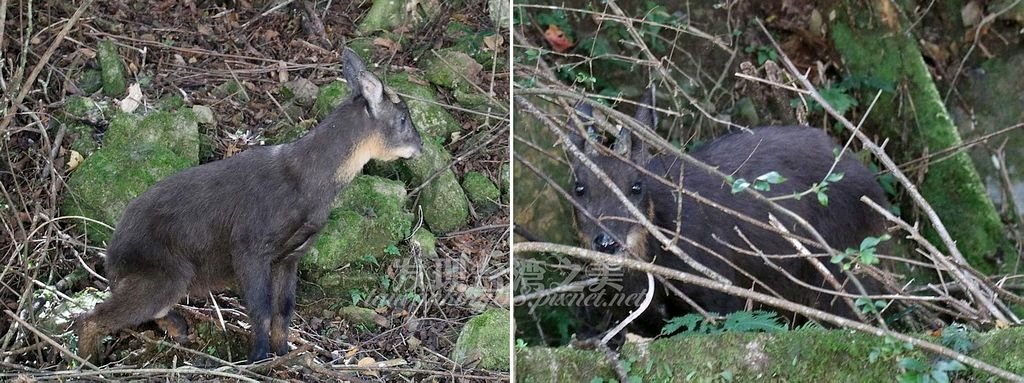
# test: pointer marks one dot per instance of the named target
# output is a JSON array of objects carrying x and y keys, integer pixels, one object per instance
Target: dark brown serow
[
  {"x": 803, "y": 155},
  {"x": 245, "y": 220}
]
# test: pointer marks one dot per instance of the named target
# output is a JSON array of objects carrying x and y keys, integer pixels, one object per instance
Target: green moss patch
[
  {"x": 481, "y": 192},
  {"x": 445, "y": 207},
  {"x": 951, "y": 186},
  {"x": 485, "y": 339},
  {"x": 137, "y": 152},
  {"x": 797, "y": 356},
  {"x": 111, "y": 69},
  {"x": 367, "y": 222}
]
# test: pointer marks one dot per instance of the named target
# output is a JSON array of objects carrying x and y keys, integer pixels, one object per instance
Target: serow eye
[
  {"x": 636, "y": 189},
  {"x": 579, "y": 189}
]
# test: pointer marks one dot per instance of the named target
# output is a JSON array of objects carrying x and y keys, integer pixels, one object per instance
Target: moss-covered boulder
[
  {"x": 330, "y": 96},
  {"x": 383, "y": 15},
  {"x": 451, "y": 69},
  {"x": 386, "y": 15},
  {"x": 481, "y": 192},
  {"x": 231, "y": 88},
  {"x": 873, "y": 49},
  {"x": 471, "y": 41},
  {"x": 363, "y": 46},
  {"x": 537, "y": 206},
  {"x": 484, "y": 341},
  {"x": 459, "y": 72},
  {"x": 445, "y": 206},
  {"x": 216, "y": 341},
  {"x": 367, "y": 222},
  {"x": 137, "y": 152},
  {"x": 812, "y": 355},
  {"x": 171, "y": 102},
  {"x": 301, "y": 91},
  {"x": 427, "y": 113},
  {"x": 425, "y": 241},
  {"x": 84, "y": 109},
  {"x": 363, "y": 318},
  {"x": 90, "y": 81},
  {"x": 499, "y": 12},
  {"x": 112, "y": 69}
]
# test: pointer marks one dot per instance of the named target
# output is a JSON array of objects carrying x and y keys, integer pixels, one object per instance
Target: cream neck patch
[{"x": 365, "y": 150}]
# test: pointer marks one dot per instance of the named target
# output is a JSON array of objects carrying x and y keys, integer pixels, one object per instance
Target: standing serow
[
  {"x": 247, "y": 219},
  {"x": 803, "y": 155}
]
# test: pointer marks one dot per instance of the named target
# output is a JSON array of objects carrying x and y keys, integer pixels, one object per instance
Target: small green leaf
[
  {"x": 772, "y": 177},
  {"x": 872, "y": 242},
  {"x": 834, "y": 177},
  {"x": 822, "y": 197},
  {"x": 739, "y": 185},
  {"x": 761, "y": 185}
]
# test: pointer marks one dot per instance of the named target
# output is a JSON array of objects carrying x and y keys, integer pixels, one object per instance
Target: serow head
[
  {"x": 388, "y": 115},
  {"x": 612, "y": 228}
]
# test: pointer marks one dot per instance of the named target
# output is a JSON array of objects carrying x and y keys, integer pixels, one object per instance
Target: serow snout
[{"x": 605, "y": 244}]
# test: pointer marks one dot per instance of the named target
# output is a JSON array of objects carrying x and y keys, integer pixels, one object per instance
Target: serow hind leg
[
  {"x": 134, "y": 300},
  {"x": 284, "y": 304}
]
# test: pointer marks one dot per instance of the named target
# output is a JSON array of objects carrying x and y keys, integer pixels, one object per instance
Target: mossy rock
[
  {"x": 90, "y": 81},
  {"x": 290, "y": 126},
  {"x": 445, "y": 206},
  {"x": 213, "y": 340},
  {"x": 481, "y": 192},
  {"x": 330, "y": 96},
  {"x": 425, "y": 241},
  {"x": 363, "y": 318},
  {"x": 177, "y": 131},
  {"x": 952, "y": 186},
  {"x": 300, "y": 91},
  {"x": 383, "y": 15},
  {"x": 386, "y": 15},
  {"x": 428, "y": 115},
  {"x": 811, "y": 355},
  {"x": 451, "y": 69},
  {"x": 485, "y": 340},
  {"x": 363, "y": 46},
  {"x": 112, "y": 69},
  {"x": 367, "y": 221},
  {"x": 471, "y": 41},
  {"x": 230, "y": 88},
  {"x": 536, "y": 204},
  {"x": 137, "y": 152},
  {"x": 170, "y": 103},
  {"x": 84, "y": 109},
  {"x": 82, "y": 138}
]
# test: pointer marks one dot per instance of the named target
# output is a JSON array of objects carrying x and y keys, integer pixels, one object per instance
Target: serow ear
[
  {"x": 646, "y": 115},
  {"x": 645, "y": 111},
  {"x": 372, "y": 90},
  {"x": 351, "y": 67},
  {"x": 585, "y": 115}
]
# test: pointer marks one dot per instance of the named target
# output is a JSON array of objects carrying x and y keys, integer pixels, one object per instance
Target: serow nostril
[{"x": 605, "y": 243}]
